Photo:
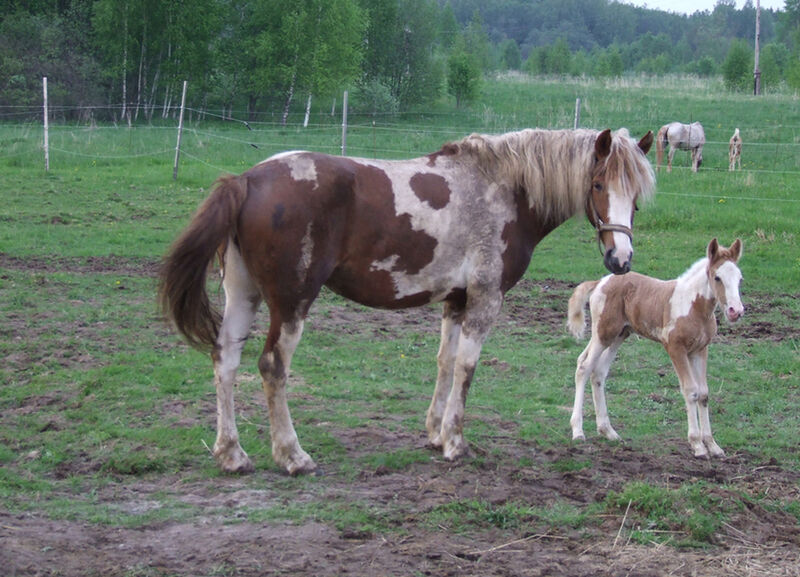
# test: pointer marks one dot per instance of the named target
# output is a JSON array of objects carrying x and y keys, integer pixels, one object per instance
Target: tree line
[{"x": 126, "y": 59}]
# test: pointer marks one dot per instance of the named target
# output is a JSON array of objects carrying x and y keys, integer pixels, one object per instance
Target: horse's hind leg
[
  {"x": 241, "y": 302},
  {"x": 452, "y": 316},
  {"x": 274, "y": 366},
  {"x": 698, "y": 363}
]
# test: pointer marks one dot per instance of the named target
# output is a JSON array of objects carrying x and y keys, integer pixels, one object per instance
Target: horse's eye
[
  {"x": 716, "y": 278},
  {"x": 598, "y": 186}
]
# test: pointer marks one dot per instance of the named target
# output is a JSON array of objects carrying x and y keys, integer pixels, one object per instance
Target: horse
[
  {"x": 457, "y": 226},
  {"x": 735, "y": 151},
  {"x": 680, "y": 136},
  {"x": 677, "y": 313}
]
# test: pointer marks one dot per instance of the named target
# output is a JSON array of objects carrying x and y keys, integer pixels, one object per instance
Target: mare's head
[
  {"x": 724, "y": 277},
  {"x": 621, "y": 175}
]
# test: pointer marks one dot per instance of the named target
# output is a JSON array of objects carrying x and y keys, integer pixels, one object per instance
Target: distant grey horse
[{"x": 680, "y": 136}]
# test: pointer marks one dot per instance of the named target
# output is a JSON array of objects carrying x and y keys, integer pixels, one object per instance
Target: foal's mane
[{"x": 554, "y": 167}]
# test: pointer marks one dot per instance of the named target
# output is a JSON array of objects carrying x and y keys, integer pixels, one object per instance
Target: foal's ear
[
  {"x": 736, "y": 250},
  {"x": 602, "y": 146},
  {"x": 713, "y": 249},
  {"x": 646, "y": 142}
]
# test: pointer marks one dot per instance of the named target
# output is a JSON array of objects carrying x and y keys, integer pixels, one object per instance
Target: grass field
[{"x": 104, "y": 413}]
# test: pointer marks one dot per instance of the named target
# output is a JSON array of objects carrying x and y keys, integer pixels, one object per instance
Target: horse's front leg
[
  {"x": 690, "y": 390},
  {"x": 482, "y": 309},
  {"x": 452, "y": 316},
  {"x": 699, "y": 363}
]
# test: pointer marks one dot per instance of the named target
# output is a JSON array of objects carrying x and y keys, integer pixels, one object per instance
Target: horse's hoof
[
  {"x": 234, "y": 461},
  {"x": 578, "y": 437},
  {"x": 454, "y": 450},
  {"x": 299, "y": 463}
]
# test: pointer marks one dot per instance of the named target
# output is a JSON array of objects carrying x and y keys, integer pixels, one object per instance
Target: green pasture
[{"x": 97, "y": 392}]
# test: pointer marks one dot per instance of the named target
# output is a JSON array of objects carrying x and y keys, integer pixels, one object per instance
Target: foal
[
  {"x": 677, "y": 313},
  {"x": 735, "y": 151}
]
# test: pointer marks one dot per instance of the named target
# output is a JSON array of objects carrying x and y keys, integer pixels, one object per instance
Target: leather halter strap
[{"x": 602, "y": 227}]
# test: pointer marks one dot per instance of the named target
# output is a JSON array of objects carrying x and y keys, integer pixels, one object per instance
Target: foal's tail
[
  {"x": 182, "y": 286},
  {"x": 576, "y": 317},
  {"x": 661, "y": 142}
]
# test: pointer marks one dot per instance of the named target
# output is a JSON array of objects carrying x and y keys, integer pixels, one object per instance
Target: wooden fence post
[
  {"x": 180, "y": 132},
  {"x": 46, "y": 128},
  {"x": 344, "y": 124},
  {"x": 577, "y": 113}
]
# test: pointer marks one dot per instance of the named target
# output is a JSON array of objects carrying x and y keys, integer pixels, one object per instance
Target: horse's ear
[
  {"x": 602, "y": 146},
  {"x": 713, "y": 249},
  {"x": 646, "y": 142},
  {"x": 736, "y": 250}
]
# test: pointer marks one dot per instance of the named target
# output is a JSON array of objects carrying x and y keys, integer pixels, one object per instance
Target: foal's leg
[
  {"x": 241, "y": 302},
  {"x": 690, "y": 390},
  {"x": 483, "y": 305},
  {"x": 274, "y": 365},
  {"x": 587, "y": 361},
  {"x": 452, "y": 318},
  {"x": 598, "y": 390},
  {"x": 699, "y": 362}
]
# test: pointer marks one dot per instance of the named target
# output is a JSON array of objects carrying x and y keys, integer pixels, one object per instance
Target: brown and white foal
[
  {"x": 735, "y": 151},
  {"x": 677, "y": 313}
]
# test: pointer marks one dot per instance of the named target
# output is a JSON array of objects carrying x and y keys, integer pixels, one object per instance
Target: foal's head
[
  {"x": 724, "y": 277},
  {"x": 620, "y": 176}
]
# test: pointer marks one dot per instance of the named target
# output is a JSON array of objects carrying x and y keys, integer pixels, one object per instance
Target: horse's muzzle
[{"x": 612, "y": 262}]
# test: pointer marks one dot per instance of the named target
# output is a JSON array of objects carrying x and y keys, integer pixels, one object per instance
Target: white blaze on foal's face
[{"x": 726, "y": 287}]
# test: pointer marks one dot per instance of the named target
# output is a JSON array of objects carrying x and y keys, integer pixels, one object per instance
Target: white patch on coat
[
  {"x": 688, "y": 287},
  {"x": 282, "y": 155},
  {"x": 452, "y": 226}
]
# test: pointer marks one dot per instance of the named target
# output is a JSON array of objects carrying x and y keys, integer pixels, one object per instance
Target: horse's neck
[{"x": 694, "y": 283}]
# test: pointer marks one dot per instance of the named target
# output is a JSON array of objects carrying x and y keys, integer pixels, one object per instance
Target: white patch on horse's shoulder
[{"x": 597, "y": 300}]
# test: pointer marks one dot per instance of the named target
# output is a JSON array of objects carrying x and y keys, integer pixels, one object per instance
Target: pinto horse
[
  {"x": 457, "y": 226},
  {"x": 677, "y": 313},
  {"x": 680, "y": 136}
]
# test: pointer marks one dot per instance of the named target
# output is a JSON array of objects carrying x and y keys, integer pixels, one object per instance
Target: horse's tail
[
  {"x": 661, "y": 142},
  {"x": 576, "y": 317},
  {"x": 182, "y": 287}
]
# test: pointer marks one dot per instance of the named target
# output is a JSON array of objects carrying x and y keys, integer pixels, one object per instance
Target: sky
[{"x": 691, "y": 6}]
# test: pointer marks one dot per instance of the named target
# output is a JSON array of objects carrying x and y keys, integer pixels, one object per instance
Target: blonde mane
[{"x": 555, "y": 167}]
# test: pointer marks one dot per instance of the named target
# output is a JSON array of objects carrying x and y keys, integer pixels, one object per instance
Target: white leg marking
[
  {"x": 448, "y": 348},
  {"x": 241, "y": 303},
  {"x": 274, "y": 366}
]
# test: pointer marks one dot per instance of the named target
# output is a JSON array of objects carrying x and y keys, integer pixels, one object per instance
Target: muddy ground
[{"x": 754, "y": 542}]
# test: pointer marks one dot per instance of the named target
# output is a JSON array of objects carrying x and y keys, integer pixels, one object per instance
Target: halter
[{"x": 602, "y": 227}]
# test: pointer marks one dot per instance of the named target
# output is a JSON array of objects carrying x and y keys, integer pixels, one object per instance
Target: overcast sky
[{"x": 691, "y": 6}]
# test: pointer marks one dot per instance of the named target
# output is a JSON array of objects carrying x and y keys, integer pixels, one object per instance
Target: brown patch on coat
[
  {"x": 449, "y": 149},
  {"x": 431, "y": 188}
]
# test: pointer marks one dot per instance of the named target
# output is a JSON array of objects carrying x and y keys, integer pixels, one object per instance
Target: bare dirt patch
[{"x": 220, "y": 539}]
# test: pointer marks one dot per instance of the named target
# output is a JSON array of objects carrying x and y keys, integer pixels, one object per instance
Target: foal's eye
[{"x": 716, "y": 278}]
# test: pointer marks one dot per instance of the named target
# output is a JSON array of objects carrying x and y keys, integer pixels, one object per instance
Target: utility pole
[{"x": 756, "y": 71}]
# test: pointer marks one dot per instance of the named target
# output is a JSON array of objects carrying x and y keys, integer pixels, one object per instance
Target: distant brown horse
[
  {"x": 677, "y": 313},
  {"x": 735, "y": 151},
  {"x": 457, "y": 226}
]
